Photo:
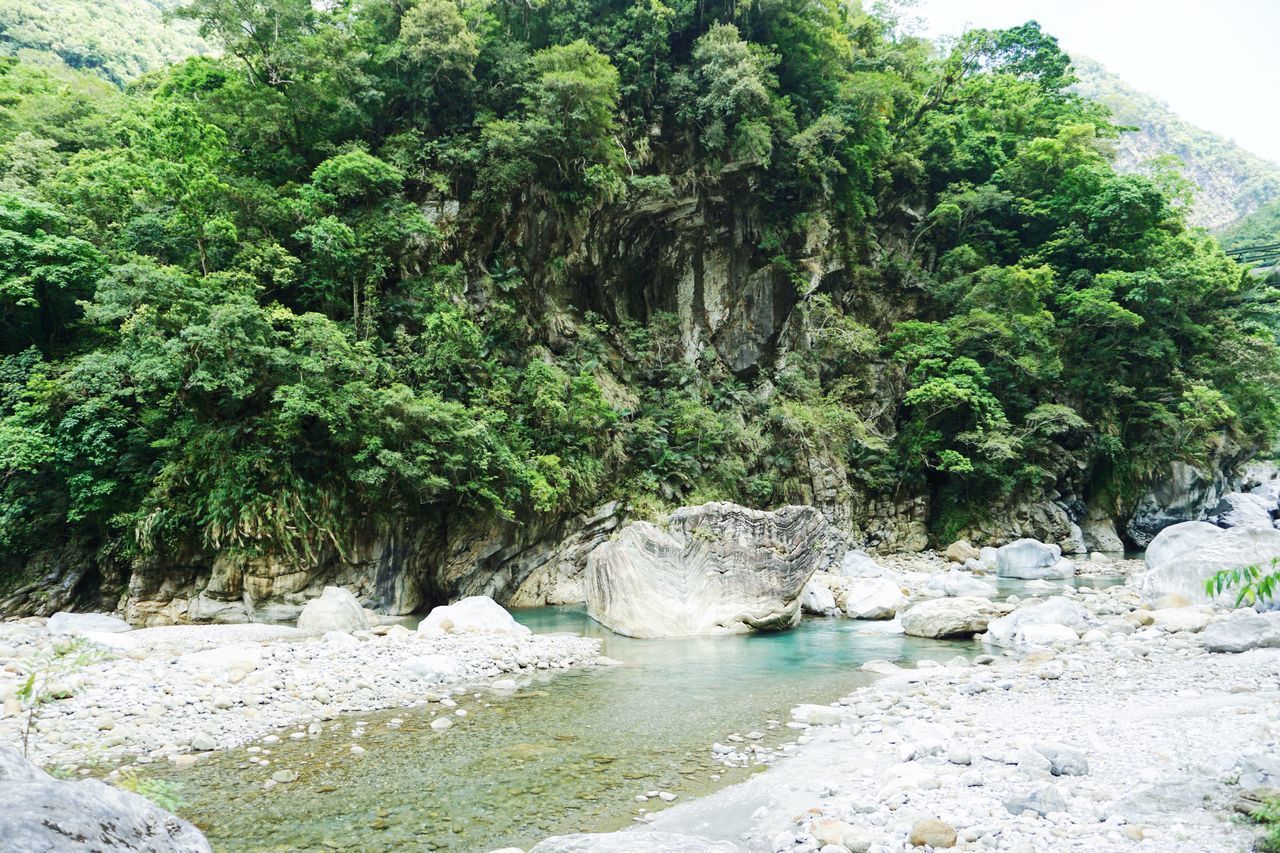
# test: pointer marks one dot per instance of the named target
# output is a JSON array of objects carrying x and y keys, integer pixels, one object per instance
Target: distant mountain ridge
[
  {"x": 119, "y": 40},
  {"x": 1233, "y": 182}
]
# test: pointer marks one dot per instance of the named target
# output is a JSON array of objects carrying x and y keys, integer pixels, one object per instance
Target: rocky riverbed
[
  {"x": 1102, "y": 724},
  {"x": 173, "y": 693}
]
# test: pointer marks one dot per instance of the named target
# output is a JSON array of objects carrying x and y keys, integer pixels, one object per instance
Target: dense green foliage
[
  {"x": 343, "y": 274},
  {"x": 115, "y": 39},
  {"x": 1230, "y": 182}
]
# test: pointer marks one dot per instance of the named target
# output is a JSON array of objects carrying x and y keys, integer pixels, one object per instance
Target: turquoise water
[{"x": 568, "y": 752}]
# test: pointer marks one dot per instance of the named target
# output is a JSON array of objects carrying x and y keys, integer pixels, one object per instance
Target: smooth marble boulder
[
  {"x": 710, "y": 569},
  {"x": 335, "y": 610},
  {"x": 1030, "y": 559},
  {"x": 949, "y": 617},
  {"x": 38, "y": 812},
  {"x": 476, "y": 614},
  {"x": 87, "y": 623},
  {"x": 1184, "y": 556}
]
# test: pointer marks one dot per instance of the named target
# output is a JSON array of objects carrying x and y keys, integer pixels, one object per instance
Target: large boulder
[
  {"x": 1183, "y": 493},
  {"x": 335, "y": 610},
  {"x": 961, "y": 551},
  {"x": 87, "y": 623},
  {"x": 1243, "y": 509},
  {"x": 860, "y": 564},
  {"x": 1242, "y": 631},
  {"x": 1018, "y": 628},
  {"x": 1182, "y": 557},
  {"x": 959, "y": 582},
  {"x": 1032, "y": 560},
  {"x": 476, "y": 614},
  {"x": 38, "y": 812},
  {"x": 818, "y": 599},
  {"x": 949, "y": 617},
  {"x": 872, "y": 598},
  {"x": 710, "y": 569}
]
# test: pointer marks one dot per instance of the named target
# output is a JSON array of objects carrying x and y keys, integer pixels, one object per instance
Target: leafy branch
[{"x": 1253, "y": 583}]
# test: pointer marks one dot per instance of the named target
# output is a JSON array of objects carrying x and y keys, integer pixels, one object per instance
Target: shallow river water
[{"x": 567, "y": 752}]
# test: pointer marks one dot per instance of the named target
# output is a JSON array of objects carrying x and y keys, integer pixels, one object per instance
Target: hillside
[
  {"x": 116, "y": 39},
  {"x": 1233, "y": 182}
]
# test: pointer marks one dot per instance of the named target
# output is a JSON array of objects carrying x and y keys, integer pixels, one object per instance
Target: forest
[{"x": 374, "y": 262}]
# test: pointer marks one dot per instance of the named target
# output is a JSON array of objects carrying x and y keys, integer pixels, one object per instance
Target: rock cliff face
[{"x": 716, "y": 568}]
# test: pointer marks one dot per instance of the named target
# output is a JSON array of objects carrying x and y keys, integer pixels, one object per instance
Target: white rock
[
  {"x": 989, "y": 557},
  {"x": 435, "y": 668},
  {"x": 711, "y": 569},
  {"x": 335, "y": 610},
  {"x": 86, "y": 623},
  {"x": 957, "y": 582},
  {"x": 1032, "y": 560},
  {"x": 818, "y": 599},
  {"x": 477, "y": 614},
  {"x": 949, "y": 617},
  {"x": 872, "y": 598},
  {"x": 817, "y": 715},
  {"x": 860, "y": 564},
  {"x": 1243, "y": 630},
  {"x": 1192, "y": 619},
  {"x": 1182, "y": 557},
  {"x": 1012, "y": 630}
]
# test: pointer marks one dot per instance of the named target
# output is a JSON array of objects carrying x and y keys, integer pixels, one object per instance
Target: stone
[
  {"x": 284, "y": 777},
  {"x": 961, "y": 551},
  {"x": 1100, "y": 533},
  {"x": 87, "y": 623},
  {"x": 1063, "y": 760},
  {"x": 1043, "y": 801},
  {"x": 934, "y": 833},
  {"x": 1243, "y": 509},
  {"x": 988, "y": 557},
  {"x": 1260, "y": 770},
  {"x": 872, "y": 598},
  {"x": 1183, "y": 556},
  {"x": 476, "y": 614},
  {"x": 957, "y": 582},
  {"x": 949, "y": 617},
  {"x": 441, "y": 724},
  {"x": 1243, "y": 630},
  {"x": 1016, "y": 629},
  {"x": 1190, "y": 619},
  {"x": 435, "y": 668},
  {"x": 38, "y": 812},
  {"x": 715, "y": 568},
  {"x": 817, "y": 715},
  {"x": 818, "y": 599},
  {"x": 860, "y": 564},
  {"x": 335, "y": 610},
  {"x": 1032, "y": 560},
  {"x": 632, "y": 841},
  {"x": 1182, "y": 493}
]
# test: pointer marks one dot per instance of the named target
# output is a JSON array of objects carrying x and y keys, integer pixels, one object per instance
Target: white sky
[{"x": 1217, "y": 64}]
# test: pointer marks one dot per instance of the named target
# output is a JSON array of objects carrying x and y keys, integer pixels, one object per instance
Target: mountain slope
[
  {"x": 117, "y": 39},
  {"x": 1233, "y": 182}
]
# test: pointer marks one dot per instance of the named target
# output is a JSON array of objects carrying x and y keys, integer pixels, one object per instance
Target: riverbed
[{"x": 563, "y": 753}]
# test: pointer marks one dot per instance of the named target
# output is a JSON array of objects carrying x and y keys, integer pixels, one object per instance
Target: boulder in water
[
  {"x": 1184, "y": 556},
  {"x": 959, "y": 582},
  {"x": 872, "y": 598},
  {"x": 335, "y": 610},
  {"x": 38, "y": 812},
  {"x": 1032, "y": 560},
  {"x": 476, "y": 614},
  {"x": 714, "y": 568},
  {"x": 818, "y": 599},
  {"x": 949, "y": 617}
]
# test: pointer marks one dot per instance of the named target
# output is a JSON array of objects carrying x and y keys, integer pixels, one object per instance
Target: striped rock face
[{"x": 710, "y": 569}]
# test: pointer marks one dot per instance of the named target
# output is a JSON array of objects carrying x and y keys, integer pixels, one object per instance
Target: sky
[{"x": 1217, "y": 64}]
